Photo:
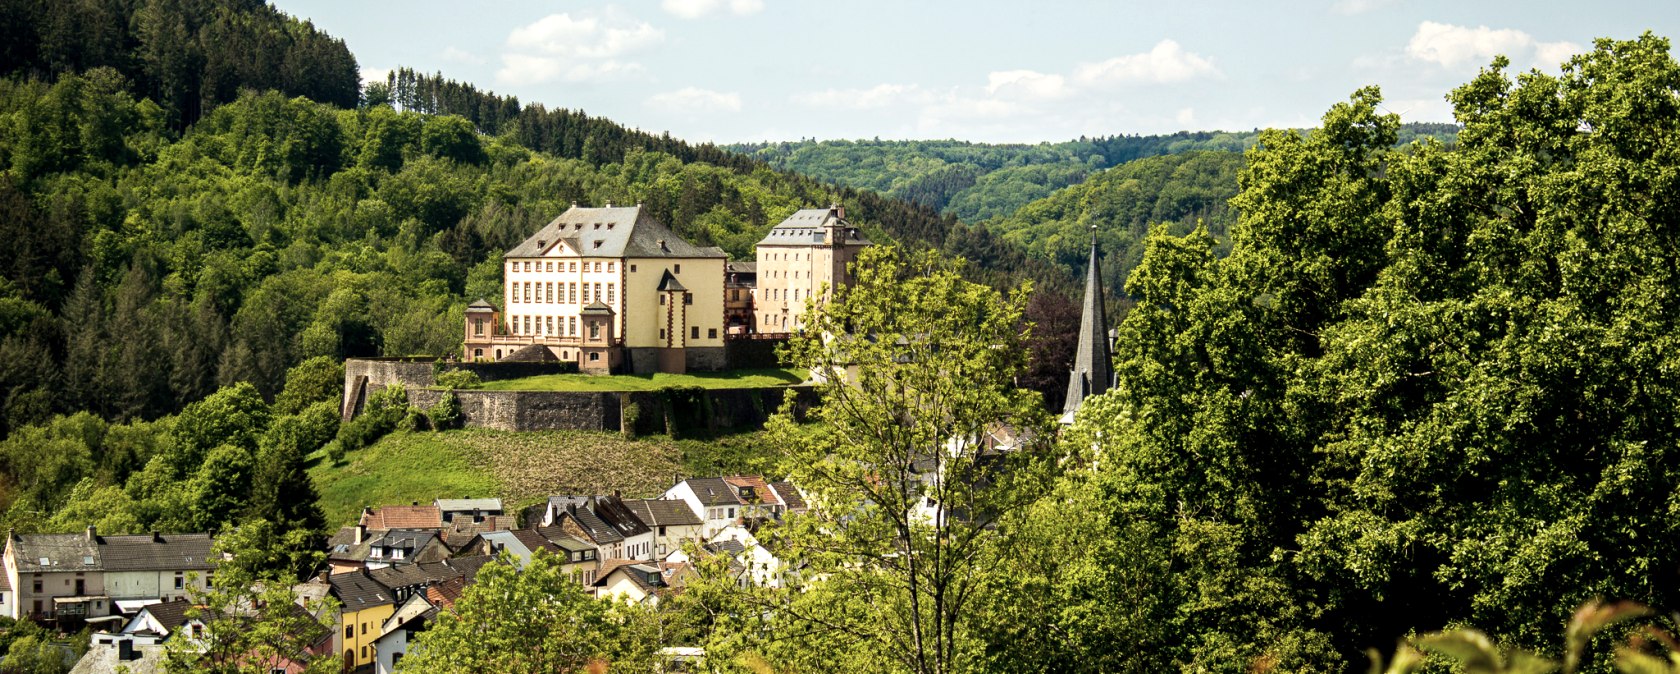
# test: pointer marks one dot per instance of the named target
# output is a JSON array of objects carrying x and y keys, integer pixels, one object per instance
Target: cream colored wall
[
  {"x": 783, "y": 270},
  {"x": 563, "y": 308},
  {"x": 644, "y": 316}
]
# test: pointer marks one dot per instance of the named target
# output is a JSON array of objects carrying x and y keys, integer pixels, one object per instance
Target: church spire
[{"x": 1093, "y": 369}]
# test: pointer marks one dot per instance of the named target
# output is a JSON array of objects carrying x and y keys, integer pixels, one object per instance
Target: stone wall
[
  {"x": 364, "y": 376},
  {"x": 530, "y": 410},
  {"x": 675, "y": 412},
  {"x": 752, "y": 354}
]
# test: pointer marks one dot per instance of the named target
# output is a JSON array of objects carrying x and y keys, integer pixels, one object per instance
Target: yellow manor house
[{"x": 611, "y": 289}]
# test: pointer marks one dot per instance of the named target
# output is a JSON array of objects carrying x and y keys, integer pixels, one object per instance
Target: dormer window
[{"x": 597, "y": 243}]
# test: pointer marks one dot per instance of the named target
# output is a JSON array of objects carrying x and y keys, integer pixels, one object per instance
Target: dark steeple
[{"x": 1093, "y": 369}]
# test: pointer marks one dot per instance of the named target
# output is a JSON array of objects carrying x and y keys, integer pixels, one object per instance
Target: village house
[
  {"x": 722, "y": 501},
  {"x": 631, "y": 581},
  {"x": 805, "y": 257},
  {"x": 610, "y": 289},
  {"x": 670, "y": 522},
  {"x": 412, "y": 617},
  {"x": 70, "y": 578},
  {"x": 364, "y": 606}
]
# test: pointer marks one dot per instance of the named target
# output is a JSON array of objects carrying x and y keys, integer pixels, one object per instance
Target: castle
[{"x": 615, "y": 290}]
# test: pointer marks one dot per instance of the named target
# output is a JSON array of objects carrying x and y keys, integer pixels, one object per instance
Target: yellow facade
[
  {"x": 804, "y": 258},
  {"x": 358, "y": 630}
]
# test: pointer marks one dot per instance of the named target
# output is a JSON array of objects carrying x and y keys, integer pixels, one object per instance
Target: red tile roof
[{"x": 404, "y": 517}]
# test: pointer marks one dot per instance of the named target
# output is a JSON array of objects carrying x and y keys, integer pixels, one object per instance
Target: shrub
[
  {"x": 459, "y": 379},
  {"x": 446, "y": 413}
]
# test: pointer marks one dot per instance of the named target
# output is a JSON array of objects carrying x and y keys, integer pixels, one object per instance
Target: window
[
  {"x": 478, "y": 327},
  {"x": 571, "y": 322},
  {"x": 478, "y": 353},
  {"x": 364, "y": 633},
  {"x": 732, "y": 512},
  {"x": 694, "y": 332},
  {"x": 527, "y": 325},
  {"x": 612, "y": 294},
  {"x": 551, "y": 266},
  {"x": 597, "y": 291},
  {"x": 597, "y": 267},
  {"x": 527, "y": 291},
  {"x": 662, "y": 300},
  {"x": 550, "y": 292},
  {"x": 610, "y": 266},
  {"x": 550, "y": 325},
  {"x": 571, "y": 267},
  {"x": 573, "y": 287},
  {"x": 364, "y": 652},
  {"x": 179, "y": 581},
  {"x": 586, "y": 293},
  {"x": 678, "y": 269},
  {"x": 688, "y": 298},
  {"x": 711, "y": 333},
  {"x": 594, "y": 329},
  {"x": 662, "y": 333},
  {"x": 349, "y": 631},
  {"x": 632, "y": 267},
  {"x": 594, "y": 356}
]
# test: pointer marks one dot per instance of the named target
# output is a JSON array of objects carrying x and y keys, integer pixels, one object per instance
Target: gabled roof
[
  {"x": 712, "y": 491},
  {"x": 404, "y": 517},
  {"x": 611, "y": 232},
  {"x": 598, "y": 308},
  {"x": 358, "y": 591},
  {"x": 171, "y": 552},
  {"x": 789, "y": 494},
  {"x": 55, "y": 552},
  {"x": 170, "y": 614},
  {"x": 481, "y": 304},
  {"x": 531, "y": 353},
  {"x": 662, "y": 512},
  {"x": 810, "y": 226},
  {"x": 598, "y": 530},
  {"x": 407, "y": 539},
  {"x": 611, "y": 509},
  {"x": 752, "y": 490},
  {"x": 637, "y": 572},
  {"x": 742, "y": 267},
  {"x": 467, "y": 505}
]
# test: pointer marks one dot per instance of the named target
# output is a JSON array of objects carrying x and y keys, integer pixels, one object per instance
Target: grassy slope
[
  {"x": 520, "y": 468},
  {"x": 584, "y": 382}
]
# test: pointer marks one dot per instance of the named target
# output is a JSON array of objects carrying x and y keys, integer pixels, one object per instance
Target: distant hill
[{"x": 978, "y": 182}]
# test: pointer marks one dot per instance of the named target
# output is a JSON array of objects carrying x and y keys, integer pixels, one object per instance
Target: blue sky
[{"x": 746, "y": 70}]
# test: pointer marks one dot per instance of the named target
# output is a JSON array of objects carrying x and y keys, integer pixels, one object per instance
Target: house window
[
  {"x": 478, "y": 327},
  {"x": 37, "y": 585},
  {"x": 612, "y": 294},
  {"x": 731, "y": 513},
  {"x": 571, "y": 324},
  {"x": 478, "y": 353},
  {"x": 527, "y": 325},
  {"x": 661, "y": 300},
  {"x": 694, "y": 332},
  {"x": 662, "y": 333},
  {"x": 551, "y": 266},
  {"x": 586, "y": 293},
  {"x": 610, "y": 266},
  {"x": 711, "y": 333},
  {"x": 550, "y": 292},
  {"x": 364, "y": 633},
  {"x": 594, "y": 329},
  {"x": 593, "y": 356},
  {"x": 573, "y": 288},
  {"x": 179, "y": 581},
  {"x": 677, "y": 269},
  {"x": 632, "y": 267},
  {"x": 688, "y": 298},
  {"x": 349, "y": 631},
  {"x": 597, "y": 291}
]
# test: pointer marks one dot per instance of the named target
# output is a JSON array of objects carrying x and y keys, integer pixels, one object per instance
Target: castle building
[
  {"x": 1093, "y": 364},
  {"x": 611, "y": 289},
  {"x": 739, "y": 285},
  {"x": 805, "y": 256}
]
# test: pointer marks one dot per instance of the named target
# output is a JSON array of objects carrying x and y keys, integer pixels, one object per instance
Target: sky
[{"x": 978, "y": 70}]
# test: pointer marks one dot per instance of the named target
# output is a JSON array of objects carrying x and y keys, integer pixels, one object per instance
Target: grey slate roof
[
  {"x": 481, "y": 303},
  {"x": 659, "y": 512},
  {"x": 611, "y": 509},
  {"x": 1093, "y": 365},
  {"x": 806, "y": 228},
  {"x": 598, "y": 530},
  {"x": 713, "y": 491},
  {"x": 626, "y": 231},
  {"x": 357, "y": 590},
  {"x": 531, "y": 353},
  {"x": 598, "y": 308},
  {"x": 163, "y": 553},
  {"x": 55, "y": 552}
]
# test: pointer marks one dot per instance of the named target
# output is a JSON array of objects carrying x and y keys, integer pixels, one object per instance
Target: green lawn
[
  {"x": 520, "y": 468},
  {"x": 633, "y": 382}
]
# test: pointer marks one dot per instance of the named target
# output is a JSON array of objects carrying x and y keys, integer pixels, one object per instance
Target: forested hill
[
  {"x": 226, "y": 235},
  {"x": 977, "y": 182}
]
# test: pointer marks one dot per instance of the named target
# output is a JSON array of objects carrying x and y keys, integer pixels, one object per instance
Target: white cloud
[
  {"x": 1351, "y": 7},
  {"x": 1167, "y": 62},
  {"x": 582, "y": 47},
  {"x": 1451, "y": 46},
  {"x": 694, "y": 9},
  {"x": 1186, "y": 118},
  {"x": 693, "y": 99},
  {"x": 1026, "y": 84},
  {"x": 876, "y": 97},
  {"x": 375, "y": 75},
  {"x": 456, "y": 54}
]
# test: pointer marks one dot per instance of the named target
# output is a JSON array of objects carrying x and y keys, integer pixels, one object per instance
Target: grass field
[
  {"x": 632, "y": 382},
  {"x": 520, "y": 468}
]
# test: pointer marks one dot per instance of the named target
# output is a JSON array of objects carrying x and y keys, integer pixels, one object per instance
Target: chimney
[
  {"x": 11, "y": 534},
  {"x": 361, "y": 533},
  {"x": 91, "y": 534},
  {"x": 839, "y": 211},
  {"x": 157, "y": 537},
  {"x": 324, "y": 574},
  {"x": 609, "y": 204}
]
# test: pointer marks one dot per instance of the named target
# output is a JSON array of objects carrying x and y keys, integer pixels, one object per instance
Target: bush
[
  {"x": 384, "y": 411},
  {"x": 628, "y": 417},
  {"x": 459, "y": 379},
  {"x": 446, "y": 413}
]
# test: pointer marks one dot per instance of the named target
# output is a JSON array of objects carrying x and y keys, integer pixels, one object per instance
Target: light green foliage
[
  {"x": 252, "y": 614},
  {"x": 513, "y": 621},
  {"x": 1429, "y": 385},
  {"x": 459, "y": 379},
  {"x": 235, "y": 416},
  {"x": 919, "y": 366},
  {"x": 446, "y": 413},
  {"x": 319, "y": 379},
  {"x": 36, "y": 654},
  {"x": 384, "y": 411}
]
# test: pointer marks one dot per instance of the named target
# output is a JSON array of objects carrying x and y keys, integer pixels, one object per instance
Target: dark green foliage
[
  {"x": 317, "y": 380},
  {"x": 385, "y": 410},
  {"x": 445, "y": 414},
  {"x": 187, "y": 55}
]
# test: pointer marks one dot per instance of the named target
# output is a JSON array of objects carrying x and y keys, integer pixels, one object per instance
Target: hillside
[{"x": 520, "y": 468}]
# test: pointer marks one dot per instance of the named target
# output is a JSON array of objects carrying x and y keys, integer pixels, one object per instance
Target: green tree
[
  {"x": 919, "y": 367},
  {"x": 253, "y": 618},
  {"x": 537, "y": 619},
  {"x": 318, "y": 379}
]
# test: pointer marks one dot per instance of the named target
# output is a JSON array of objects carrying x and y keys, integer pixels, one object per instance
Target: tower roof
[{"x": 1093, "y": 364}]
